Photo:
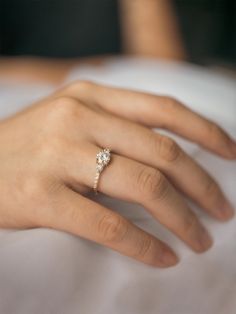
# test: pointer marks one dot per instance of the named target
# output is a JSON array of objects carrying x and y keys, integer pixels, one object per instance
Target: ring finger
[
  {"x": 144, "y": 145},
  {"x": 132, "y": 181}
]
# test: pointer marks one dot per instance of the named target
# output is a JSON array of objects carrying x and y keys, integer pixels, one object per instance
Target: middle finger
[{"x": 144, "y": 145}]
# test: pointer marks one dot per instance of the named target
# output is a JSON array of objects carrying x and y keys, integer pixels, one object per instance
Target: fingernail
[
  {"x": 205, "y": 241},
  {"x": 226, "y": 210},
  {"x": 169, "y": 258}
]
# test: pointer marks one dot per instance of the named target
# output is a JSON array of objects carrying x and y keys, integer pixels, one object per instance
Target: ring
[{"x": 102, "y": 160}]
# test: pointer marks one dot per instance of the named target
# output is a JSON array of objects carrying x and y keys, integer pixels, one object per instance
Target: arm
[
  {"x": 35, "y": 69},
  {"x": 150, "y": 28}
]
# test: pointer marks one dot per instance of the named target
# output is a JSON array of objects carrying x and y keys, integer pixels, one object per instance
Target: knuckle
[
  {"x": 61, "y": 111},
  {"x": 65, "y": 105},
  {"x": 30, "y": 187},
  {"x": 171, "y": 104},
  {"x": 152, "y": 183},
  {"x": 144, "y": 247},
  {"x": 33, "y": 189},
  {"x": 190, "y": 224},
  {"x": 169, "y": 150},
  {"x": 211, "y": 189},
  {"x": 214, "y": 131},
  {"x": 112, "y": 228},
  {"x": 81, "y": 86}
]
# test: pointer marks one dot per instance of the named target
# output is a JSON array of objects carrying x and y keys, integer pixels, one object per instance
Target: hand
[{"x": 48, "y": 165}]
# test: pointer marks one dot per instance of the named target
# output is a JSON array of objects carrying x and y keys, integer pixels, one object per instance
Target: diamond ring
[{"x": 102, "y": 160}]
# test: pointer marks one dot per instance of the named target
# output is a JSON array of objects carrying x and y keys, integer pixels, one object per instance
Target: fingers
[
  {"x": 129, "y": 180},
  {"x": 163, "y": 153},
  {"x": 138, "y": 142},
  {"x": 156, "y": 111},
  {"x": 78, "y": 215}
]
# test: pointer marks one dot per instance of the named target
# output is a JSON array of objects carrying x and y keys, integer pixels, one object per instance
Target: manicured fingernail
[
  {"x": 205, "y": 240},
  {"x": 169, "y": 258},
  {"x": 226, "y": 211}
]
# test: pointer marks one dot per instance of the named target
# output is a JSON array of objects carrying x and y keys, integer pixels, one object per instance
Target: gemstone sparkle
[{"x": 103, "y": 157}]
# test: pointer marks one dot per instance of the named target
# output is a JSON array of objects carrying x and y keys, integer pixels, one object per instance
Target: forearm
[
  {"x": 150, "y": 28},
  {"x": 35, "y": 69}
]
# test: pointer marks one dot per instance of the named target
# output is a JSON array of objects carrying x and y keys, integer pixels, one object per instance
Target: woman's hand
[{"x": 48, "y": 159}]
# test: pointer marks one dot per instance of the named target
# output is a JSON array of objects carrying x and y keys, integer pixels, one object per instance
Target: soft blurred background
[
  {"x": 199, "y": 31},
  {"x": 209, "y": 31}
]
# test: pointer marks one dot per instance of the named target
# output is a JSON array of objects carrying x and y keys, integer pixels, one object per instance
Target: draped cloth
[{"x": 46, "y": 271}]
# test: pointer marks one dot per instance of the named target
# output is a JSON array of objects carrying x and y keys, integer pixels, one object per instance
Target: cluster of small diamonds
[{"x": 102, "y": 159}]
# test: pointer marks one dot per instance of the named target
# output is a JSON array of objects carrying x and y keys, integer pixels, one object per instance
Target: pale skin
[{"x": 48, "y": 158}]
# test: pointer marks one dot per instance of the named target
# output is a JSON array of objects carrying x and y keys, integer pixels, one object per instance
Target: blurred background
[
  {"x": 209, "y": 30},
  {"x": 199, "y": 31}
]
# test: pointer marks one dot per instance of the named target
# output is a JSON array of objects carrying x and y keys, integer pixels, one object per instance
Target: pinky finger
[{"x": 83, "y": 217}]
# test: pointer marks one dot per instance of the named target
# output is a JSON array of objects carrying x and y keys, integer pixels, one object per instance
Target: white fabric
[{"x": 46, "y": 271}]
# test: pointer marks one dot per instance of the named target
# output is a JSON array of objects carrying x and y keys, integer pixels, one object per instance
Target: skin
[
  {"x": 150, "y": 28},
  {"x": 47, "y": 166}
]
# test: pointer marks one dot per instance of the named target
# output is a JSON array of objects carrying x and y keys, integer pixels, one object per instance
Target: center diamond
[{"x": 103, "y": 157}]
